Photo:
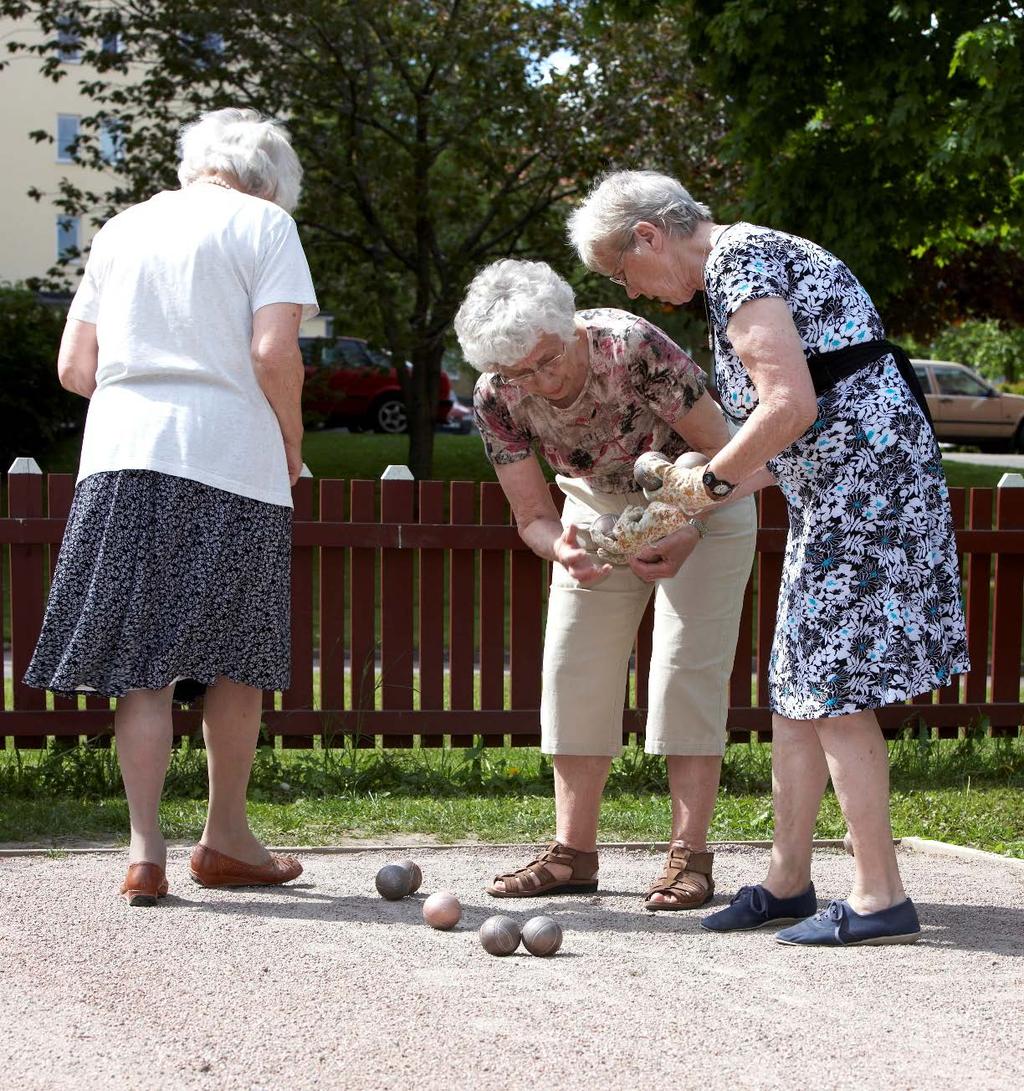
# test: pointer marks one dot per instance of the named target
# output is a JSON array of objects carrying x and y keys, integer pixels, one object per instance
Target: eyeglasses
[
  {"x": 530, "y": 374},
  {"x": 620, "y": 277}
]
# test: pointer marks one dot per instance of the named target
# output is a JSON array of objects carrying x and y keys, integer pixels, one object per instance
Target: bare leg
[
  {"x": 143, "y": 729},
  {"x": 693, "y": 786},
  {"x": 579, "y": 782},
  {"x": 859, "y": 762},
  {"x": 799, "y": 778},
  {"x": 231, "y": 727}
]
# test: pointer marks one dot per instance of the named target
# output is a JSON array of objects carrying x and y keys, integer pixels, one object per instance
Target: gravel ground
[{"x": 324, "y": 985}]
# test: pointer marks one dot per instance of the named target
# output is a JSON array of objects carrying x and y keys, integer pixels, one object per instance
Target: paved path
[
  {"x": 1016, "y": 461},
  {"x": 324, "y": 985}
]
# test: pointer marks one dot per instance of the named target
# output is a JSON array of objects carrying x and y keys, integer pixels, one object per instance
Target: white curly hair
[
  {"x": 254, "y": 150},
  {"x": 509, "y": 306},
  {"x": 601, "y": 227}
]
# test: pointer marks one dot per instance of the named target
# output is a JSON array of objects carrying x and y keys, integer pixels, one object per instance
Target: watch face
[{"x": 715, "y": 486}]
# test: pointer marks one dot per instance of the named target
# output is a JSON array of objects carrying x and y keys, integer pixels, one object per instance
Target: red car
[{"x": 347, "y": 382}]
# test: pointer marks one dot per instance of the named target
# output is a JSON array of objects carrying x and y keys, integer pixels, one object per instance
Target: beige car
[{"x": 967, "y": 410}]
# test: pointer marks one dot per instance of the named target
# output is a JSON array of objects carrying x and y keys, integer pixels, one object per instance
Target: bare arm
[
  {"x": 78, "y": 358},
  {"x": 277, "y": 363},
  {"x": 538, "y": 522},
  {"x": 703, "y": 426},
  {"x": 766, "y": 340}
]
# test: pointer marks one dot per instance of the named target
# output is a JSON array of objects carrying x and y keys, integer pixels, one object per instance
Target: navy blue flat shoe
[
  {"x": 840, "y": 926},
  {"x": 754, "y": 907}
]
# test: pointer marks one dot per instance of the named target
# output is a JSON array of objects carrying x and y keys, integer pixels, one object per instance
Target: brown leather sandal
[
  {"x": 679, "y": 879},
  {"x": 535, "y": 879}
]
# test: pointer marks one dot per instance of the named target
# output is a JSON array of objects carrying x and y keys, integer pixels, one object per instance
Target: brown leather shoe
[
  {"x": 143, "y": 884},
  {"x": 208, "y": 867},
  {"x": 686, "y": 878}
]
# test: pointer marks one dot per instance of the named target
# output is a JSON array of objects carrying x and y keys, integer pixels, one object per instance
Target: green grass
[
  {"x": 966, "y": 790},
  {"x": 985, "y": 818}
]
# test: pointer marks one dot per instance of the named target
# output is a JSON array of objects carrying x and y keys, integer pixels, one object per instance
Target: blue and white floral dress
[{"x": 869, "y": 608}]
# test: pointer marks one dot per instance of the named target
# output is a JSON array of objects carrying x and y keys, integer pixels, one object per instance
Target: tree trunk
[{"x": 422, "y": 408}]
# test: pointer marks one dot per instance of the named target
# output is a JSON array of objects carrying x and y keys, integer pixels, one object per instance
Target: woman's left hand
[{"x": 663, "y": 559}]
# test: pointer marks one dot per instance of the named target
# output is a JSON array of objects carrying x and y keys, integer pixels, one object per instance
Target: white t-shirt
[{"x": 172, "y": 285}]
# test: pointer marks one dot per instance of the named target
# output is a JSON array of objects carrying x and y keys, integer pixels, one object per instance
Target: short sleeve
[
  {"x": 85, "y": 307},
  {"x": 505, "y": 441},
  {"x": 746, "y": 272},
  {"x": 282, "y": 272},
  {"x": 664, "y": 376}
]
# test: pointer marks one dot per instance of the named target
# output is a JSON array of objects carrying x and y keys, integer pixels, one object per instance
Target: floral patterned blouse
[{"x": 639, "y": 383}]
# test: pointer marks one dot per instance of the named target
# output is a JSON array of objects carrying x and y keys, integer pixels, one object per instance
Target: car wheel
[
  {"x": 1018, "y": 439},
  {"x": 389, "y": 416}
]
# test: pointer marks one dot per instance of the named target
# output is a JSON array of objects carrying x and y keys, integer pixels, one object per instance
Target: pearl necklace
[{"x": 210, "y": 180}]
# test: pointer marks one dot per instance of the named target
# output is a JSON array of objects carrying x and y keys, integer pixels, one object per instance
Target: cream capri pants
[{"x": 591, "y": 631}]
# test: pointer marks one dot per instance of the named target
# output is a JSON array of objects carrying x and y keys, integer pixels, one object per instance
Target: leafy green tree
[
  {"x": 995, "y": 352},
  {"x": 888, "y": 131},
  {"x": 34, "y": 408},
  {"x": 435, "y": 136}
]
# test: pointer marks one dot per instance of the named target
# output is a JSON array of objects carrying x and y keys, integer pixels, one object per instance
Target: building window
[
  {"x": 67, "y": 134},
  {"x": 111, "y": 43},
  {"x": 67, "y": 237},
  {"x": 111, "y": 141},
  {"x": 69, "y": 42}
]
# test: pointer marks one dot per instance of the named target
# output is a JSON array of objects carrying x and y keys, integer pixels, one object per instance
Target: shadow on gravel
[
  {"x": 997, "y": 929},
  {"x": 994, "y": 929}
]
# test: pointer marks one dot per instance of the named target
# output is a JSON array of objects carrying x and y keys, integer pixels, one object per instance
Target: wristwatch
[
  {"x": 699, "y": 526},
  {"x": 715, "y": 487}
]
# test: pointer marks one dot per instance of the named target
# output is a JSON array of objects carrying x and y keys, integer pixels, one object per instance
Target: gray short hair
[
  {"x": 241, "y": 143},
  {"x": 509, "y": 306},
  {"x": 605, "y": 220}
]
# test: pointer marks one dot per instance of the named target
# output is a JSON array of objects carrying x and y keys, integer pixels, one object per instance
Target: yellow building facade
[{"x": 33, "y": 232}]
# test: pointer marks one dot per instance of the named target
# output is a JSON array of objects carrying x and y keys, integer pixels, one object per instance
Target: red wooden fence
[{"x": 415, "y": 635}]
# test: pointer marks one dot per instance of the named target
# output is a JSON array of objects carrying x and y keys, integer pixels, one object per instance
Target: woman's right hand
[
  {"x": 293, "y": 454},
  {"x": 577, "y": 561}
]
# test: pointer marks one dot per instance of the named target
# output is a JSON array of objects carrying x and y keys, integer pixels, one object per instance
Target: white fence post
[{"x": 396, "y": 473}]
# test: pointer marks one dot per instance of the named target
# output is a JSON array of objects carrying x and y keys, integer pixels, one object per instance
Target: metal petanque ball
[
  {"x": 415, "y": 875},
  {"x": 442, "y": 910},
  {"x": 542, "y": 936},
  {"x": 690, "y": 460},
  {"x": 604, "y": 524},
  {"x": 393, "y": 882},
  {"x": 499, "y": 935}
]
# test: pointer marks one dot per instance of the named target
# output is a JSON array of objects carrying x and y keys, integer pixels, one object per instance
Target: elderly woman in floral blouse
[{"x": 589, "y": 391}]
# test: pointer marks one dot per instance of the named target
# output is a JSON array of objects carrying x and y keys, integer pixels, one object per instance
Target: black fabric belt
[{"x": 828, "y": 368}]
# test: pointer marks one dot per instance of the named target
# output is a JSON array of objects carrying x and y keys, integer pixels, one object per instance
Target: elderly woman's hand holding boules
[
  {"x": 663, "y": 559},
  {"x": 577, "y": 561},
  {"x": 679, "y": 483},
  {"x": 636, "y": 529}
]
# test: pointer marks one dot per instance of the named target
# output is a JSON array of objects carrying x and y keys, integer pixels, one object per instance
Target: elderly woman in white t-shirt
[{"x": 175, "y": 565}]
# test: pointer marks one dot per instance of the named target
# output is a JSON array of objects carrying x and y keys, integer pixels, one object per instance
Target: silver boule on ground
[
  {"x": 542, "y": 936},
  {"x": 499, "y": 935}
]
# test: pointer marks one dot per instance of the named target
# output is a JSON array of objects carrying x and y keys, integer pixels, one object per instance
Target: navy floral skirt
[{"x": 161, "y": 579}]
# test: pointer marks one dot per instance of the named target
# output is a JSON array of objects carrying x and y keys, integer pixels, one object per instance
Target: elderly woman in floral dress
[
  {"x": 589, "y": 391},
  {"x": 869, "y": 608}
]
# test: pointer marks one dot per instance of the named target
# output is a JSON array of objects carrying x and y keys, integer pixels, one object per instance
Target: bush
[
  {"x": 34, "y": 408},
  {"x": 994, "y": 351}
]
